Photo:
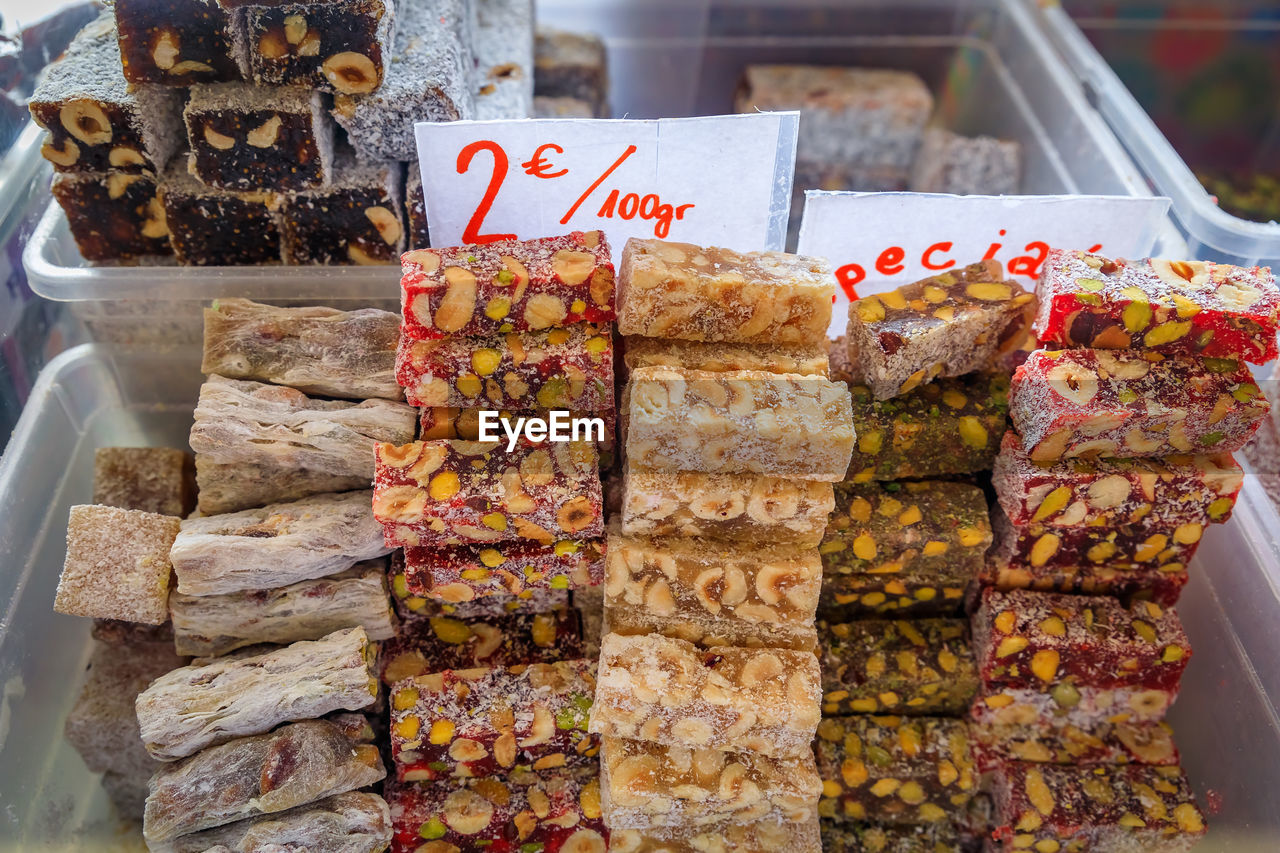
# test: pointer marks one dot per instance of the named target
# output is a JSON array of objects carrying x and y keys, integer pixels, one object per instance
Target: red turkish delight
[
  {"x": 1065, "y": 704},
  {"x": 411, "y": 606},
  {"x": 1043, "y": 743},
  {"x": 1148, "y": 543},
  {"x": 469, "y": 572},
  {"x": 1125, "y": 581}
]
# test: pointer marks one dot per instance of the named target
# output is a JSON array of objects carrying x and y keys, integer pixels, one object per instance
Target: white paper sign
[
  {"x": 879, "y": 241},
  {"x": 716, "y": 180}
]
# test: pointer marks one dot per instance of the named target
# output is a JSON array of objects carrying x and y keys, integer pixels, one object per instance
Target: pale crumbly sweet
[
  {"x": 199, "y": 706},
  {"x": 236, "y": 486},
  {"x": 645, "y": 785},
  {"x": 722, "y": 356},
  {"x": 117, "y": 564},
  {"x": 503, "y": 46},
  {"x": 669, "y": 691},
  {"x": 966, "y": 165},
  {"x": 745, "y": 422},
  {"x": 679, "y": 290},
  {"x": 354, "y": 822},
  {"x": 731, "y": 836},
  {"x": 151, "y": 479}
]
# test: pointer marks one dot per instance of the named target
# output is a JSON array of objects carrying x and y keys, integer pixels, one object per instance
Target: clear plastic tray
[
  {"x": 95, "y": 395},
  {"x": 1211, "y": 233}
]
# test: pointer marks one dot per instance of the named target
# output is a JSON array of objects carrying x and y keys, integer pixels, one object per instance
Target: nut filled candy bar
[
  {"x": 438, "y": 643},
  {"x": 872, "y": 838},
  {"x": 209, "y": 625},
  {"x": 1190, "y": 307},
  {"x": 1123, "y": 809},
  {"x": 238, "y": 421},
  {"x": 469, "y": 572},
  {"x": 1035, "y": 640},
  {"x": 353, "y": 822},
  {"x": 745, "y": 422},
  {"x": 728, "y": 836},
  {"x": 948, "y": 325},
  {"x": 1066, "y": 704},
  {"x": 515, "y": 813},
  {"x": 503, "y": 46},
  {"x": 95, "y": 123},
  {"x": 117, "y": 564},
  {"x": 292, "y": 766},
  {"x": 316, "y": 350},
  {"x": 737, "y": 508},
  {"x": 339, "y": 45},
  {"x": 410, "y": 604},
  {"x": 719, "y": 356},
  {"x": 480, "y": 722},
  {"x": 196, "y": 707},
  {"x": 216, "y": 227},
  {"x": 354, "y": 219},
  {"x": 671, "y": 692},
  {"x": 428, "y": 78},
  {"x": 244, "y": 137},
  {"x": 903, "y": 548},
  {"x": 113, "y": 215},
  {"x": 1125, "y": 581},
  {"x": 569, "y": 368},
  {"x": 895, "y": 770},
  {"x": 275, "y": 545},
  {"x": 454, "y": 492},
  {"x": 1148, "y": 543},
  {"x": 1100, "y": 403},
  {"x": 1087, "y": 492},
  {"x": 679, "y": 290},
  {"x": 176, "y": 42},
  {"x": 646, "y": 785},
  {"x": 1106, "y": 744},
  {"x": 695, "y": 590},
  {"x": 507, "y": 286},
  {"x": 922, "y": 667},
  {"x": 151, "y": 479},
  {"x": 572, "y": 65}
]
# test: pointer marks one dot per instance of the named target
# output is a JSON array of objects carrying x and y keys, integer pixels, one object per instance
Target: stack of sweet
[
  {"x": 490, "y": 685},
  {"x": 708, "y": 691},
  {"x": 1120, "y": 460},
  {"x": 906, "y": 541},
  {"x": 571, "y": 78},
  {"x": 247, "y": 133}
]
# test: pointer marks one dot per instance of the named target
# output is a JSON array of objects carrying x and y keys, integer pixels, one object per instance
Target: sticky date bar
[
  {"x": 1190, "y": 307},
  {"x": 341, "y": 45},
  {"x": 1035, "y": 640},
  {"x": 113, "y": 216},
  {"x": 1099, "y": 403},
  {"x": 480, "y": 722},
  {"x": 1106, "y": 744},
  {"x": 563, "y": 368},
  {"x": 921, "y": 667},
  {"x": 669, "y": 691},
  {"x": 454, "y": 492},
  {"x": 507, "y": 286},
  {"x": 176, "y": 42},
  {"x": 470, "y": 572}
]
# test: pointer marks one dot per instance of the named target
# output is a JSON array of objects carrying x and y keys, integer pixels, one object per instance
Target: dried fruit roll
[
  {"x": 292, "y": 766},
  {"x": 895, "y": 770},
  {"x": 117, "y": 564},
  {"x": 738, "y": 508},
  {"x": 1191, "y": 307},
  {"x": 275, "y": 545},
  {"x": 151, "y": 479},
  {"x": 1043, "y": 743},
  {"x": 113, "y": 215},
  {"x": 948, "y": 325},
  {"x": 438, "y": 643},
  {"x": 95, "y": 122},
  {"x": 744, "y": 422},
  {"x": 317, "y": 350},
  {"x": 353, "y": 822},
  {"x": 340, "y": 45},
  {"x": 507, "y": 286},
  {"x": 1085, "y": 492},
  {"x": 872, "y": 838},
  {"x": 1067, "y": 704},
  {"x": 239, "y": 421},
  {"x": 669, "y": 691},
  {"x": 469, "y": 572},
  {"x": 209, "y": 226},
  {"x": 761, "y": 836},
  {"x": 245, "y": 137},
  {"x": 903, "y": 548},
  {"x": 1036, "y": 640},
  {"x": 679, "y": 290},
  {"x": 480, "y": 722},
  {"x": 712, "y": 593},
  {"x": 563, "y": 368},
  {"x": 920, "y": 668},
  {"x": 410, "y": 605},
  {"x": 645, "y": 785},
  {"x": 454, "y": 492},
  {"x": 1128, "y": 808},
  {"x": 199, "y": 706},
  {"x": 1099, "y": 403},
  {"x": 808, "y": 359},
  {"x": 515, "y": 813},
  {"x": 354, "y": 219},
  {"x": 1127, "y": 582},
  {"x": 209, "y": 625}
]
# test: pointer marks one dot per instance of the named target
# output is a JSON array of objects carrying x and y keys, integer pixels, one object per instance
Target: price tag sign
[
  {"x": 716, "y": 180},
  {"x": 879, "y": 241}
]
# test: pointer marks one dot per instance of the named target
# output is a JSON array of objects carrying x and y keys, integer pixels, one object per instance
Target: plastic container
[{"x": 1211, "y": 233}]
